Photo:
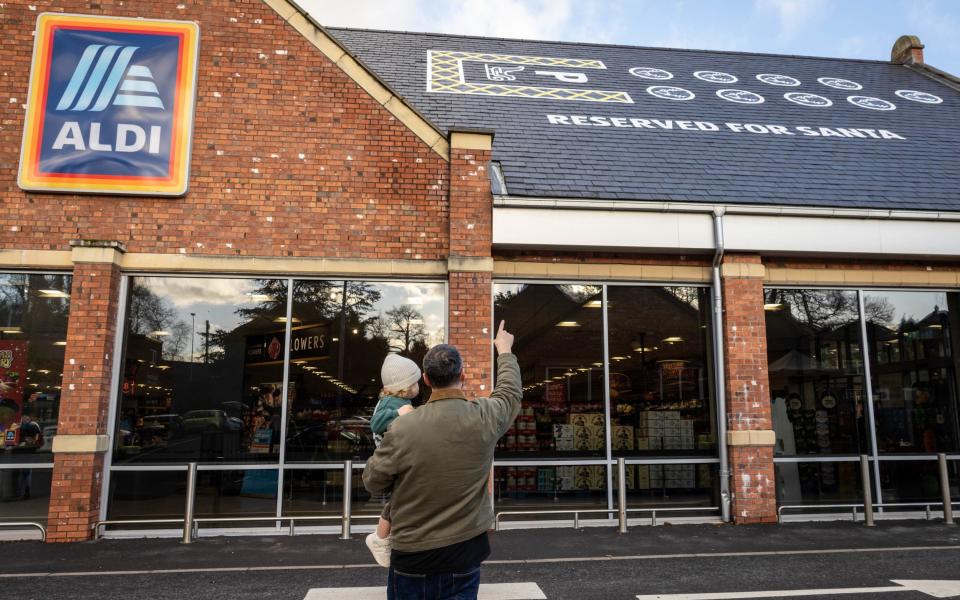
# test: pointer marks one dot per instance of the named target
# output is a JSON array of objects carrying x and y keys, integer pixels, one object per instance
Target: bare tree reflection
[
  {"x": 153, "y": 316},
  {"x": 829, "y": 309}
]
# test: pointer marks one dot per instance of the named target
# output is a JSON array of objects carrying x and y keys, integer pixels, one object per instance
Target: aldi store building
[{"x": 738, "y": 272}]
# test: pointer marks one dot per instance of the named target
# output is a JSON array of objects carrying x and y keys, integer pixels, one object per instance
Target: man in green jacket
[{"x": 436, "y": 461}]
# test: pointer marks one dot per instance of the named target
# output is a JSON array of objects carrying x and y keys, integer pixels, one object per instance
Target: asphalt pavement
[{"x": 851, "y": 561}]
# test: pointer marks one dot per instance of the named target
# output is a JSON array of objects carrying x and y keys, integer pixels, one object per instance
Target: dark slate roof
[{"x": 540, "y": 159}]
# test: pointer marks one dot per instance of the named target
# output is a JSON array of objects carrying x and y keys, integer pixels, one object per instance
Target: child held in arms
[{"x": 400, "y": 378}]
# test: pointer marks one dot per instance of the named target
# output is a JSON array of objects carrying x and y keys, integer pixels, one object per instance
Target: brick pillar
[
  {"x": 82, "y": 437},
  {"x": 750, "y": 436},
  {"x": 470, "y": 263}
]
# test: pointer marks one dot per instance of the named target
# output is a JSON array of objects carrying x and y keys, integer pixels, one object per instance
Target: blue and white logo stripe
[{"x": 138, "y": 80}]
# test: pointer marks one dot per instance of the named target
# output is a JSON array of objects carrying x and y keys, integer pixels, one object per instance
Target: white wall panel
[
  {"x": 593, "y": 229},
  {"x": 693, "y": 232}
]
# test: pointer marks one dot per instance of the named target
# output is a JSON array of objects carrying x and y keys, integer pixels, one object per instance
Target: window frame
[
  {"x": 874, "y": 456},
  {"x": 610, "y": 462}
]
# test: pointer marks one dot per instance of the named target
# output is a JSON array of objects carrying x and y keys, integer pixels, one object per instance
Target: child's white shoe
[{"x": 380, "y": 549}]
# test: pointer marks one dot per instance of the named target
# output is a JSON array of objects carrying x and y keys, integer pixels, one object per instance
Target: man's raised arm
[{"x": 504, "y": 401}]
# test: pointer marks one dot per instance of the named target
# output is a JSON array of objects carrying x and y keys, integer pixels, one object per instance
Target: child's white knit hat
[{"x": 398, "y": 373}]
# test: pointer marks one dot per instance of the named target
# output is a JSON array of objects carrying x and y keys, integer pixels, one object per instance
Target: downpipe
[{"x": 725, "y": 499}]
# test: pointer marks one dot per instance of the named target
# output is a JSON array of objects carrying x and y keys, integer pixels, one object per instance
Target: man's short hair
[{"x": 443, "y": 365}]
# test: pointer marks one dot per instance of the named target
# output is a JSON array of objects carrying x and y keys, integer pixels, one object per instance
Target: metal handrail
[
  {"x": 839, "y": 458},
  {"x": 193, "y": 530},
  {"x": 861, "y": 506},
  {"x": 198, "y": 520},
  {"x": 191, "y": 524},
  {"x": 577, "y": 512},
  {"x": 97, "y": 528},
  {"x": 867, "y": 504},
  {"x": 653, "y": 510},
  {"x": 40, "y": 526}
]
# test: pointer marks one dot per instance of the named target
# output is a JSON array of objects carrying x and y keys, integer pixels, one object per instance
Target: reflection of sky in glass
[
  {"x": 217, "y": 300},
  {"x": 910, "y": 305},
  {"x": 428, "y": 298},
  {"x": 509, "y": 288}
]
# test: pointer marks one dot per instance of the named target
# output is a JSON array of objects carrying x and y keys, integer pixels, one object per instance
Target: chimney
[{"x": 907, "y": 50}]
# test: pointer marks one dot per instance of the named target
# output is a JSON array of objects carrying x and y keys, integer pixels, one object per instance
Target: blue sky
[{"x": 839, "y": 28}]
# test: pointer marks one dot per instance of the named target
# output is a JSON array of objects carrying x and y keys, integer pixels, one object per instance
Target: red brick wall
[
  {"x": 74, "y": 497},
  {"x": 471, "y": 235},
  {"x": 469, "y": 322},
  {"x": 748, "y": 394},
  {"x": 290, "y": 156},
  {"x": 753, "y": 484},
  {"x": 471, "y": 203},
  {"x": 88, "y": 360},
  {"x": 84, "y": 400}
]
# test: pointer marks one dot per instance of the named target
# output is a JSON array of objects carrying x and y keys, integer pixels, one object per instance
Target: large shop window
[
  {"x": 914, "y": 370},
  {"x": 202, "y": 370},
  {"x": 204, "y": 359},
  {"x": 817, "y": 386},
  {"x": 559, "y": 342},
  {"x": 815, "y": 361},
  {"x": 914, "y": 366},
  {"x": 34, "y": 310},
  {"x": 660, "y": 388},
  {"x": 819, "y": 389}
]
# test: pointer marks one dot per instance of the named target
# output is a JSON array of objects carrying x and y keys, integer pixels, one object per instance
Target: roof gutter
[{"x": 730, "y": 209}]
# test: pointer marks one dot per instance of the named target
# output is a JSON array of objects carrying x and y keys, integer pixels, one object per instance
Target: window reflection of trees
[
  {"x": 402, "y": 328},
  {"x": 689, "y": 295},
  {"x": 155, "y": 317},
  {"x": 828, "y": 309}
]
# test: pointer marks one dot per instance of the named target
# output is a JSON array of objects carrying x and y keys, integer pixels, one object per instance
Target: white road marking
[
  {"x": 488, "y": 591},
  {"x": 520, "y": 561},
  {"x": 934, "y": 588}
]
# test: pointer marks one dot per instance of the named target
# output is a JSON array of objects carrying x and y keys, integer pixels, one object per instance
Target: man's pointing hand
[{"x": 504, "y": 340}]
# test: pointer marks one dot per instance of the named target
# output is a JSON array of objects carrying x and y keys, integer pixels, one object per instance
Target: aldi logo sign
[{"x": 110, "y": 107}]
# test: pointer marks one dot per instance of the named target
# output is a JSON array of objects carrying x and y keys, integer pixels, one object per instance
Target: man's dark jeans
[{"x": 442, "y": 586}]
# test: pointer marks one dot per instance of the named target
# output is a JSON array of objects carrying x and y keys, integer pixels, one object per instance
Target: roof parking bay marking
[
  {"x": 780, "y": 80},
  {"x": 871, "y": 103},
  {"x": 715, "y": 76},
  {"x": 917, "y": 96},
  {"x": 840, "y": 84},
  {"x": 517, "y": 75},
  {"x": 740, "y": 96},
  {"x": 651, "y": 73},
  {"x": 807, "y": 99},
  {"x": 445, "y": 74},
  {"x": 669, "y": 92}
]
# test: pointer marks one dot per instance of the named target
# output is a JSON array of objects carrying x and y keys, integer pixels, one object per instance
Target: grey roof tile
[{"x": 580, "y": 161}]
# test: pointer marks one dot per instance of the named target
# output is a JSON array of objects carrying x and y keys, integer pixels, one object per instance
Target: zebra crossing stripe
[{"x": 488, "y": 591}]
